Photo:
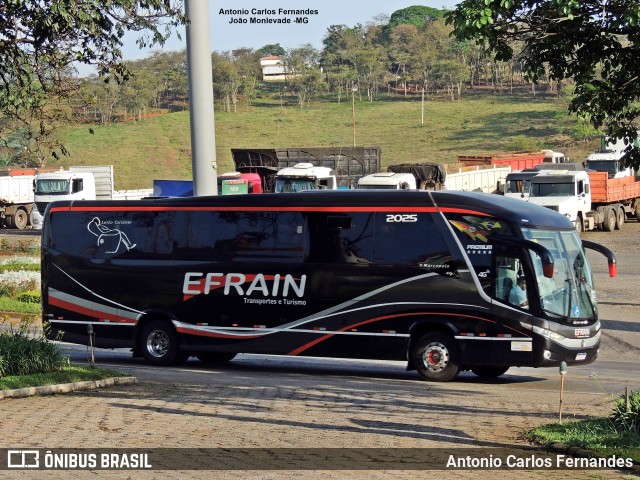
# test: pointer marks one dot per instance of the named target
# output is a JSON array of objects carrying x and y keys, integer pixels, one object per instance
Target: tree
[
  {"x": 303, "y": 73},
  {"x": 41, "y": 41},
  {"x": 272, "y": 49},
  {"x": 594, "y": 43},
  {"x": 417, "y": 16}
]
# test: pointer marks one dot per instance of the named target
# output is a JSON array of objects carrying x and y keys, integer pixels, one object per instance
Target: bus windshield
[{"x": 570, "y": 293}]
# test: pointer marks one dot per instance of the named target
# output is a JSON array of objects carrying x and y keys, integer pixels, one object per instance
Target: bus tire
[
  {"x": 158, "y": 343},
  {"x": 435, "y": 356},
  {"x": 215, "y": 357},
  {"x": 489, "y": 371}
]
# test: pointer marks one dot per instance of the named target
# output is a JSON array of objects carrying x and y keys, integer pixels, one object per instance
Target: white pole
[{"x": 203, "y": 144}]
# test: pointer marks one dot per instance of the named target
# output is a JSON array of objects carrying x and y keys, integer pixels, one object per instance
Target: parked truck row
[{"x": 598, "y": 194}]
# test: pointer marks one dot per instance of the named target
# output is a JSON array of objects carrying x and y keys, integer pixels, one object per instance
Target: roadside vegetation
[
  {"x": 20, "y": 279},
  {"x": 29, "y": 359},
  {"x": 618, "y": 434}
]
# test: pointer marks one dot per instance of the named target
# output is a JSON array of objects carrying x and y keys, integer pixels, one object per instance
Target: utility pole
[{"x": 203, "y": 144}]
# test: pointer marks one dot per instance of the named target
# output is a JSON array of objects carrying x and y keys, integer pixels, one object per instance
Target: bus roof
[{"x": 514, "y": 210}]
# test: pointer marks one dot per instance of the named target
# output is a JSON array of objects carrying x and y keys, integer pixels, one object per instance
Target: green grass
[
  {"x": 159, "y": 147},
  {"x": 599, "y": 435},
  {"x": 13, "y": 305},
  {"x": 70, "y": 374}
]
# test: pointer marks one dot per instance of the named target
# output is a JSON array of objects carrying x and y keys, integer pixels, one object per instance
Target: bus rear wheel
[
  {"x": 436, "y": 357},
  {"x": 489, "y": 371},
  {"x": 158, "y": 343}
]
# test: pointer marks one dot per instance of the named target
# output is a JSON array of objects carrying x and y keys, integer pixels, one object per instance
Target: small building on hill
[{"x": 274, "y": 68}]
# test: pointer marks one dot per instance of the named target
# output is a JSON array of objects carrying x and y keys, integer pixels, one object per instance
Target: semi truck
[
  {"x": 85, "y": 182},
  {"x": 609, "y": 158},
  {"x": 590, "y": 199},
  {"x": 348, "y": 163},
  {"x": 518, "y": 183}
]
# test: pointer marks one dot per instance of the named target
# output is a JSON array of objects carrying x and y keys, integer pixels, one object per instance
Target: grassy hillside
[{"x": 159, "y": 147}]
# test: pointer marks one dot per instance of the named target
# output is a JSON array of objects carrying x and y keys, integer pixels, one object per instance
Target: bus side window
[
  {"x": 345, "y": 238},
  {"x": 505, "y": 277}
]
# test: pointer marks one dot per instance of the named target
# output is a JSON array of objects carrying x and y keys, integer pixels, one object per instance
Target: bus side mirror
[{"x": 611, "y": 258}]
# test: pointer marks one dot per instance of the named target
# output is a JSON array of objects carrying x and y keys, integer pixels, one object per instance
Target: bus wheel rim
[
  {"x": 158, "y": 343},
  {"x": 436, "y": 357}
]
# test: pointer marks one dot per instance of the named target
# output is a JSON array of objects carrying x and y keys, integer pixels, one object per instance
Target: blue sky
[{"x": 226, "y": 36}]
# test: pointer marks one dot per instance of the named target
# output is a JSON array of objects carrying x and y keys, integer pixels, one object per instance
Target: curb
[{"x": 67, "y": 387}]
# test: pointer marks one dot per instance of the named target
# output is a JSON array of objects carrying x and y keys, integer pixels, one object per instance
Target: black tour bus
[{"x": 422, "y": 277}]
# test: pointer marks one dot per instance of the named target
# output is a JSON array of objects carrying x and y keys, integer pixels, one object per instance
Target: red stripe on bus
[
  {"x": 201, "y": 333},
  {"x": 87, "y": 311},
  {"x": 307, "y": 346},
  {"x": 214, "y": 208}
]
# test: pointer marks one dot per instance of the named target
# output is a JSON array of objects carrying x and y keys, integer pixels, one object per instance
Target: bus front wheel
[
  {"x": 159, "y": 344},
  {"x": 436, "y": 357}
]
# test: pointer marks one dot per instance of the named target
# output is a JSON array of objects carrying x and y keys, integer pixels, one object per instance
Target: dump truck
[
  {"x": 84, "y": 182},
  {"x": 16, "y": 201}
]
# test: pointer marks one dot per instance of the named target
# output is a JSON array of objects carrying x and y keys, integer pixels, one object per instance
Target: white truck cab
[
  {"x": 518, "y": 184},
  {"x": 566, "y": 192},
  {"x": 388, "y": 181},
  {"x": 304, "y": 176}
]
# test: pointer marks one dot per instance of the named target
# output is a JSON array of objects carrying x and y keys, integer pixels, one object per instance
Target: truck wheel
[
  {"x": 8, "y": 221},
  {"x": 436, "y": 357},
  {"x": 579, "y": 224},
  {"x": 620, "y": 217},
  {"x": 636, "y": 208},
  {"x": 609, "y": 219},
  {"x": 158, "y": 342},
  {"x": 21, "y": 219}
]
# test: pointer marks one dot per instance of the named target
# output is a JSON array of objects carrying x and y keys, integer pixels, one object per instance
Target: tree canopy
[
  {"x": 594, "y": 43},
  {"x": 41, "y": 41}
]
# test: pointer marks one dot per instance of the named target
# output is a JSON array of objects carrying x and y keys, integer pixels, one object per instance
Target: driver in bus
[{"x": 518, "y": 293}]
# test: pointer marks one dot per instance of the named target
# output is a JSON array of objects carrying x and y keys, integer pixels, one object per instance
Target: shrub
[
  {"x": 30, "y": 296},
  {"x": 24, "y": 353},
  {"x": 627, "y": 419}
]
